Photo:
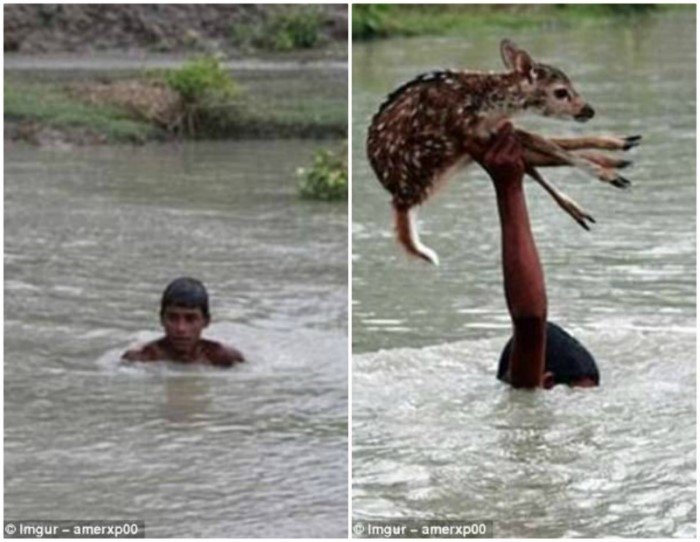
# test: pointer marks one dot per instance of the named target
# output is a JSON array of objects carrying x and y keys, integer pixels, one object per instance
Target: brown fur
[
  {"x": 438, "y": 122},
  {"x": 425, "y": 129}
]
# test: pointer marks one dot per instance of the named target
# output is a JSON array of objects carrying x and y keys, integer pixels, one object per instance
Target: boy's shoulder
[
  {"x": 217, "y": 353},
  {"x": 152, "y": 351}
]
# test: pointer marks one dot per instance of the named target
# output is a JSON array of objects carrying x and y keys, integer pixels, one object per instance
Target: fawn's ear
[{"x": 516, "y": 59}]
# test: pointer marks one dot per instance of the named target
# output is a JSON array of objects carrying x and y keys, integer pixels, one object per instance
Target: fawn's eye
[{"x": 561, "y": 93}]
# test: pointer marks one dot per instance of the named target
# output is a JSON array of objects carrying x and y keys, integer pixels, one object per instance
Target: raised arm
[{"x": 522, "y": 273}]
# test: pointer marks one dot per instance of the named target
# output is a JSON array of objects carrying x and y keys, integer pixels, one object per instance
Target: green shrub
[
  {"x": 285, "y": 29},
  {"x": 201, "y": 78},
  {"x": 202, "y": 83},
  {"x": 327, "y": 179},
  {"x": 298, "y": 29},
  {"x": 369, "y": 21}
]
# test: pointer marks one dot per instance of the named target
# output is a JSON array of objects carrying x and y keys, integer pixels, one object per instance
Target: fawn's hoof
[
  {"x": 621, "y": 182},
  {"x": 582, "y": 222},
  {"x": 581, "y": 219},
  {"x": 622, "y": 164},
  {"x": 631, "y": 141}
]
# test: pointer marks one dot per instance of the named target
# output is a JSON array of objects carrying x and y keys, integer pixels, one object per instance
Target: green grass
[
  {"x": 312, "y": 104},
  {"x": 284, "y": 104},
  {"x": 307, "y": 115},
  {"x": 52, "y": 106},
  {"x": 249, "y": 118},
  {"x": 371, "y": 21}
]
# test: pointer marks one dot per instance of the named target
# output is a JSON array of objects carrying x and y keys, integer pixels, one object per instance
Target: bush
[
  {"x": 369, "y": 21},
  {"x": 201, "y": 78},
  {"x": 201, "y": 83},
  {"x": 327, "y": 179},
  {"x": 283, "y": 30}
]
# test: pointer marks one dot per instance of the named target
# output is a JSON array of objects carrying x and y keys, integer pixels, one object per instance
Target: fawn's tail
[{"x": 408, "y": 236}]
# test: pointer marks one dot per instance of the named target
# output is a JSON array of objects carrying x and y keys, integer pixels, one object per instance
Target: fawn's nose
[{"x": 585, "y": 114}]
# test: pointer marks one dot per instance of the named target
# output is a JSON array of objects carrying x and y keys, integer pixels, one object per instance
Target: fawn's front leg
[
  {"x": 545, "y": 152},
  {"x": 541, "y": 159},
  {"x": 537, "y": 158},
  {"x": 608, "y": 143}
]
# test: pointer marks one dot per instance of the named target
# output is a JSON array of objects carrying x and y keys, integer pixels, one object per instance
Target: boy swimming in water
[{"x": 184, "y": 313}]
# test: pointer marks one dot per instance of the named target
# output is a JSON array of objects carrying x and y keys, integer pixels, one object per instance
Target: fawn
[{"x": 439, "y": 122}]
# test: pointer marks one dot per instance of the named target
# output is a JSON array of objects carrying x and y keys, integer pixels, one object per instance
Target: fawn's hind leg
[
  {"x": 541, "y": 159},
  {"x": 549, "y": 151},
  {"x": 407, "y": 235},
  {"x": 565, "y": 202}
]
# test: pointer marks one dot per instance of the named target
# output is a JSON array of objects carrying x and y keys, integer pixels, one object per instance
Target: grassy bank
[
  {"x": 194, "y": 102},
  {"x": 283, "y": 105},
  {"x": 32, "y": 107},
  {"x": 373, "y": 21}
]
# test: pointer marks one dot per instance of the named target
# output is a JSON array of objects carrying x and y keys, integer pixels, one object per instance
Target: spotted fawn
[{"x": 436, "y": 124}]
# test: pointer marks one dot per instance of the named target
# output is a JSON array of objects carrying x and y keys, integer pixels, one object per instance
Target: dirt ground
[{"x": 82, "y": 28}]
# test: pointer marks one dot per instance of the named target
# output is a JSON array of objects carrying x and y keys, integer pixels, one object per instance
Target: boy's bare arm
[{"x": 522, "y": 272}]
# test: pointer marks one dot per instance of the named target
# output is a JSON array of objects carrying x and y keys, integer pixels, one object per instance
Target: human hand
[{"x": 504, "y": 158}]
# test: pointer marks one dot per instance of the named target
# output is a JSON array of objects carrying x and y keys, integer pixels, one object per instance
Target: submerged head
[
  {"x": 184, "y": 313},
  {"x": 566, "y": 361},
  {"x": 548, "y": 90}
]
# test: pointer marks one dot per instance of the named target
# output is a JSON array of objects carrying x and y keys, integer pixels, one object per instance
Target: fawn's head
[{"x": 547, "y": 89}]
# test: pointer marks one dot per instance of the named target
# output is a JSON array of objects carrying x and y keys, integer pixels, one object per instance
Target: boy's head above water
[
  {"x": 186, "y": 293},
  {"x": 566, "y": 361},
  {"x": 184, "y": 313}
]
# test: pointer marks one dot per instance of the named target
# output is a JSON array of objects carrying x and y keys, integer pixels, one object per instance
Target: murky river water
[
  {"x": 434, "y": 434},
  {"x": 92, "y": 236}
]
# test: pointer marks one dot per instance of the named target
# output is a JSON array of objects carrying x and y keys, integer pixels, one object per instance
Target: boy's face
[{"x": 183, "y": 327}]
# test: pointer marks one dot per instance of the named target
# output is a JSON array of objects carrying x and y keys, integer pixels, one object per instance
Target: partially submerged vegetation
[
  {"x": 327, "y": 178},
  {"x": 372, "y": 21}
]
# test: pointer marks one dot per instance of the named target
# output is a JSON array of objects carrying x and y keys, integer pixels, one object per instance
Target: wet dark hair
[
  {"x": 185, "y": 292},
  {"x": 565, "y": 357}
]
